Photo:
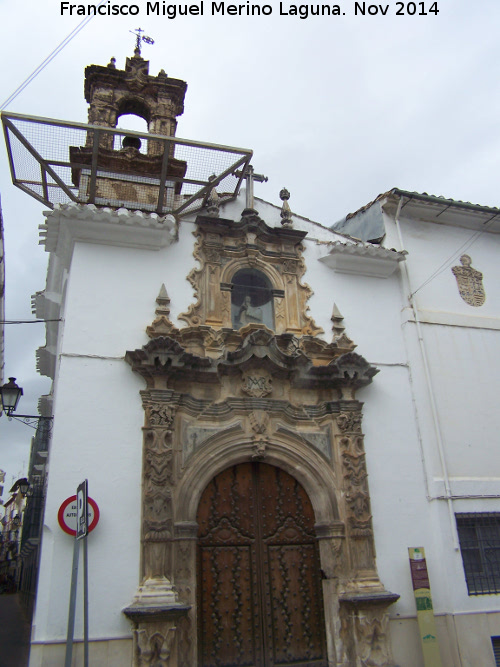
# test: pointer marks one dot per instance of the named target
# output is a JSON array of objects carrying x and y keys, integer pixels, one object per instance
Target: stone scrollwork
[
  {"x": 372, "y": 630},
  {"x": 160, "y": 415},
  {"x": 349, "y": 421},
  {"x": 223, "y": 249},
  {"x": 356, "y": 485},
  {"x": 212, "y": 255},
  {"x": 289, "y": 266},
  {"x": 158, "y": 476},
  {"x": 259, "y": 423},
  {"x": 153, "y": 645}
]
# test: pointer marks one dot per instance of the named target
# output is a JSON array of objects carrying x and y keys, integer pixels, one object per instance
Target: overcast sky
[{"x": 336, "y": 108}]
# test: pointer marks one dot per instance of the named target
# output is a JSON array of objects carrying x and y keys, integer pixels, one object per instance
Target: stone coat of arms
[{"x": 470, "y": 282}]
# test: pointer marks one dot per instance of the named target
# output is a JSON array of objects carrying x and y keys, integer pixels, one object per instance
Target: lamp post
[
  {"x": 10, "y": 393},
  {"x": 23, "y": 485}
]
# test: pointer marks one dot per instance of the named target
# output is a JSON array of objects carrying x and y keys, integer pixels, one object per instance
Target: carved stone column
[
  {"x": 156, "y": 611},
  {"x": 186, "y": 536},
  {"x": 364, "y": 605},
  {"x": 157, "y": 528},
  {"x": 356, "y": 494},
  {"x": 331, "y": 538}
]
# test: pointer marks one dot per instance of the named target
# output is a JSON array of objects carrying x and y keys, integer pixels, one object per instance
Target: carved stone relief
[
  {"x": 372, "y": 628},
  {"x": 153, "y": 645},
  {"x": 157, "y": 491},
  {"x": 259, "y": 423},
  {"x": 356, "y": 493},
  {"x": 470, "y": 282},
  {"x": 195, "y": 436},
  {"x": 257, "y": 383},
  {"x": 365, "y": 622},
  {"x": 322, "y": 440},
  {"x": 222, "y": 249}
]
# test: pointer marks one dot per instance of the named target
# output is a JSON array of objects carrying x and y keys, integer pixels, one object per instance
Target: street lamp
[
  {"x": 10, "y": 394},
  {"x": 23, "y": 485}
]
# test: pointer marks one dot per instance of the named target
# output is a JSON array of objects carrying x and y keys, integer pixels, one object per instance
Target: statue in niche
[
  {"x": 251, "y": 299},
  {"x": 249, "y": 313}
]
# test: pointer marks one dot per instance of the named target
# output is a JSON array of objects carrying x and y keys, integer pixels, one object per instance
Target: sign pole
[
  {"x": 81, "y": 533},
  {"x": 72, "y": 605},
  {"x": 82, "y": 529},
  {"x": 85, "y": 604}
]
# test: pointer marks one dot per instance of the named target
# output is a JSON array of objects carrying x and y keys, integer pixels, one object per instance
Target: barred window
[{"x": 479, "y": 536}]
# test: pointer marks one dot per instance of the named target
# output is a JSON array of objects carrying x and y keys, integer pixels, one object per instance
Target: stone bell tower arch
[
  {"x": 124, "y": 176},
  {"x": 111, "y": 93}
]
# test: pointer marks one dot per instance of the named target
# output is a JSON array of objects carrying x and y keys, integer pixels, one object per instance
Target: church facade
[{"x": 269, "y": 412}]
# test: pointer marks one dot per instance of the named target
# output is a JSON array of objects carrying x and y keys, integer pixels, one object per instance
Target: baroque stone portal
[{"x": 217, "y": 397}]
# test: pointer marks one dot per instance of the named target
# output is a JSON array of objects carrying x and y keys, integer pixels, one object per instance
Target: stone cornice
[
  {"x": 96, "y": 75},
  {"x": 249, "y": 224},
  {"x": 259, "y": 348},
  {"x": 69, "y": 223},
  {"x": 363, "y": 259},
  {"x": 360, "y": 600}
]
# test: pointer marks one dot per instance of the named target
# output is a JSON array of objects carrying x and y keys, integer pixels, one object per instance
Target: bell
[{"x": 131, "y": 142}]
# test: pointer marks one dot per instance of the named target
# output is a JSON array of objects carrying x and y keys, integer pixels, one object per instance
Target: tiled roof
[{"x": 425, "y": 197}]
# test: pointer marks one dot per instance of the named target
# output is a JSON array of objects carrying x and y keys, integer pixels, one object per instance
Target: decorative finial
[
  {"x": 213, "y": 201},
  {"x": 112, "y": 63},
  {"x": 286, "y": 213},
  {"x": 163, "y": 301},
  {"x": 138, "y": 39},
  {"x": 162, "y": 326},
  {"x": 338, "y": 327}
]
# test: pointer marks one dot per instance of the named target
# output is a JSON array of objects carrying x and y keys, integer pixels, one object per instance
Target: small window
[
  {"x": 479, "y": 536},
  {"x": 251, "y": 299}
]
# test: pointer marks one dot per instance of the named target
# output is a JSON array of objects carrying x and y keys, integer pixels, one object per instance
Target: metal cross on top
[
  {"x": 140, "y": 38},
  {"x": 250, "y": 176}
]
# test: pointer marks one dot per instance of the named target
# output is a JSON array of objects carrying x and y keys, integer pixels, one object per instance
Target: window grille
[
  {"x": 479, "y": 536},
  {"x": 496, "y": 650}
]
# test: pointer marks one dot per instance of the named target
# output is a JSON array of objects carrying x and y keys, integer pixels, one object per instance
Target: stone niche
[{"x": 217, "y": 396}]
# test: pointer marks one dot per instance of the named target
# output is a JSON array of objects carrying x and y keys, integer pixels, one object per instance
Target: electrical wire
[
  {"x": 49, "y": 58},
  {"x": 28, "y": 321},
  {"x": 465, "y": 246}
]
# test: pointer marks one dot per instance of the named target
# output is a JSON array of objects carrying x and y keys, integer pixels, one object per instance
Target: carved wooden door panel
[{"x": 260, "y": 601}]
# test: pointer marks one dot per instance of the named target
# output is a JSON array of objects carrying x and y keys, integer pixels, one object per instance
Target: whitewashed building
[{"x": 260, "y": 481}]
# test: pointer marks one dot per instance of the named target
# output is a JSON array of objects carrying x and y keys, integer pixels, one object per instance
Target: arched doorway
[{"x": 260, "y": 600}]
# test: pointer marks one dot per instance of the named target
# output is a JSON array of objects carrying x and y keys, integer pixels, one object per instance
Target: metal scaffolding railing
[{"x": 58, "y": 162}]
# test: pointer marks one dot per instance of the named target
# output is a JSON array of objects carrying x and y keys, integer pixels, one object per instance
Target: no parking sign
[{"x": 67, "y": 515}]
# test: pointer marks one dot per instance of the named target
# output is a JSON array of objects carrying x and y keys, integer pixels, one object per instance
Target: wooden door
[{"x": 260, "y": 602}]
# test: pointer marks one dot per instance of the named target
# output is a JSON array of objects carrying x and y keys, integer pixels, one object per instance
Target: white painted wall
[{"x": 461, "y": 344}]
